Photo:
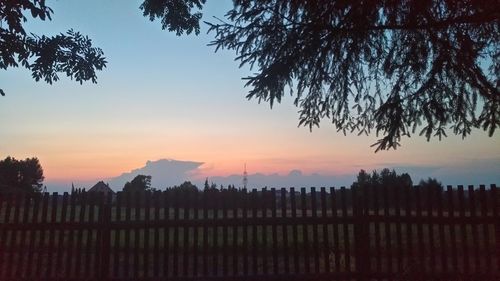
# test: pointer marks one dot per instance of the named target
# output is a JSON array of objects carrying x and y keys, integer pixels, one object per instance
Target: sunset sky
[{"x": 169, "y": 97}]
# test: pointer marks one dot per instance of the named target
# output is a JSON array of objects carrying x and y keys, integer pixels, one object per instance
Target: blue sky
[{"x": 164, "y": 96}]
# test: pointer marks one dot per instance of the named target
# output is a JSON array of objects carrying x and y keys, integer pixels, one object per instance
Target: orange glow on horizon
[{"x": 59, "y": 170}]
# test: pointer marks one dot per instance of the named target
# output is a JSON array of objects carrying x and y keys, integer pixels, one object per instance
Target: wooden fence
[{"x": 326, "y": 234}]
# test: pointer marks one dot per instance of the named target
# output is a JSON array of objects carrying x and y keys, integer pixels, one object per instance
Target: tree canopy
[
  {"x": 386, "y": 178},
  {"x": 185, "y": 186},
  {"x": 392, "y": 67},
  {"x": 45, "y": 56},
  {"x": 138, "y": 184},
  {"x": 21, "y": 175}
]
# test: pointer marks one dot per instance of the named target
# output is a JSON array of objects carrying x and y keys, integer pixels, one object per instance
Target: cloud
[
  {"x": 163, "y": 172},
  {"x": 295, "y": 173}
]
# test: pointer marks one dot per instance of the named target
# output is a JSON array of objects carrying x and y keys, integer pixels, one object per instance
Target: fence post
[
  {"x": 496, "y": 214},
  {"x": 105, "y": 201},
  {"x": 361, "y": 232}
]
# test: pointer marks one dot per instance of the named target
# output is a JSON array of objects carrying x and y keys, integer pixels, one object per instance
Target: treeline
[
  {"x": 384, "y": 188},
  {"x": 373, "y": 191}
]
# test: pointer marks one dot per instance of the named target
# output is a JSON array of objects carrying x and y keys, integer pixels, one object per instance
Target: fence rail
[{"x": 327, "y": 234}]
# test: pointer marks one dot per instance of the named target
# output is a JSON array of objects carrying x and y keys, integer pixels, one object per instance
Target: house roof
[{"x": 101, "y": 187}]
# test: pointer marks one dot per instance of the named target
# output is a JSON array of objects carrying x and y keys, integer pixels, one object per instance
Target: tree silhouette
[
  {"x": 21, "y": 175},
  {"x": 140, "y": 183},
  {"x": 46, "y": 57},
  {"x": 392, "y": 67},
  {"x": 186, "y": 186},
  {"x": 206, "y": 186},
  {"x": 385, "y": 181},
  {"x": 431, "y": 187}
]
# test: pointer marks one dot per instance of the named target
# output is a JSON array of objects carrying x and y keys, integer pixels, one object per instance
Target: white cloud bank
[{"x": 163, "y": 172}]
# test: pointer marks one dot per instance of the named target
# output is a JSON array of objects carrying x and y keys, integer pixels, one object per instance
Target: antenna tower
[{"x": 245, "y": 177}]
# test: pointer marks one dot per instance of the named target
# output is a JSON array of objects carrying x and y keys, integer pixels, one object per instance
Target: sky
[{"x": 168, "y": 97}]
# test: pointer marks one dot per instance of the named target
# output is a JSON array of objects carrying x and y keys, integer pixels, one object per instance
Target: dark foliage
[
  {"x": 186, "y": 186},
  {"x": 21, "y": 175},
  {"x": 45, "y": 56},
  {"x": 386, "y": 182},
  {"x": 175, "y": 15},
  {"x": 431, "y": 184},
  {"x": 385, "y": 178},
  {"x": 140, "y": 183},
  {"x": 392, "y": 67}
]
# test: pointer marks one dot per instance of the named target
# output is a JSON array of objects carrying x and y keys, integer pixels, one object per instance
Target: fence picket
[
  {"x": 420, "y": 266},
  {"x": 156, "y": 238},
  {"x": 215, "y": 236},
  {"x": 315, "y": 237},
  {"x": 255, "y": 241},
  {"x": 274, "y": 230},
  {"x": 138, "y": 200},
  {"x": 205, "y": 235},
  {"x": 52, "y": 234},
  {"x": 147, "y": 218},
  {"x": 127, "y": 267},
  {"x": 335, "y": 254},
  {"x": 82, "y": 201},
  {"x": 399, "y": 230},
  {"x": 453, "y": 233},
  {"x": 195, "y": 233},
  {"x": 30, "y": 266},
  {"x": 21, "y": 258},
  {"x": 175, "y": 245},
  {"x": 365, "y": 235},
  {"x": 431, "y": 238},
  {"x": 90, "y": 233},
  {"x": 4, "y": 203},
  {"x": 14, "y": 237},
  {"x": 326, "y": 244},
  {"x": 100, "y": 243},
  {"x": 463, "y": 231},
  {"x": 186, "y": 200},
  {"x": 225, "y": 237},
  {"x": 246, "y": 251},
  {"x": 105, "y": 243},
  {"x": 442, "y": 241},
  {"x": 117, "y": 240},
  {"x": 61, "y": 248},
  {"x": 486, "y": 233},
  {"x": 8, "y": 199},
  {"x": 305, "y": 231},
  {"x": 387, "y": 233},
  {"x": 410, "y": 259},
  {"x": 263, "y": 227},
  {"x": 496, "y": 215},
  {"x": 235, "y": 253},
  {"x": 474, "y": 229},
  {"x": 40, "y": 247},
  {"x": 345, "y": 231},
  {"x": 284, "y": 231},
  {"x": 295, "y": 232}
]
